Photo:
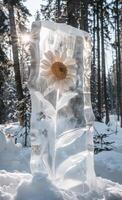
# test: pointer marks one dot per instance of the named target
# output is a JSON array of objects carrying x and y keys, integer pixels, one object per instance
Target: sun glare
[{"x": 25, "y": 38}]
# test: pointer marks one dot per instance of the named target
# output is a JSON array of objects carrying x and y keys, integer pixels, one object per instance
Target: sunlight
[{"x": 25, "y": 38}]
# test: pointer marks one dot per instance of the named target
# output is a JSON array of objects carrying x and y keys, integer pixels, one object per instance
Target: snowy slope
[
  {"x": 16, "y": 182},
  {"x": 108, "y": 164},
  {"x": 20, "y": 186},
  {"x": 12, "y": 156}
]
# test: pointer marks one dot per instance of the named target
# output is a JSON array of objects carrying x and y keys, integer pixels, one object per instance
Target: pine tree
[
  {"x": 117, "y": 9},
  {"x": 3, "y": 62},
  {"x": 11, "y": 5},
  {"x": 93, "y": 65},
  {"x": 103, "y": 62},
  {"x": 98, "y": 64},
  {"x": 118, "y": 23},
  {"x": 79, "y": 14}
]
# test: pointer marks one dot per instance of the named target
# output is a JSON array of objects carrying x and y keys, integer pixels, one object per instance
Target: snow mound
[
  {"x": 9, "y": 183},
  {"x": 39, "y": 188},
  {"x": 110, "y": 161},
  {"x": 20, "y": 186},
  {"x": 12, "y": 156},
  {"x": 113, "y": 193}
]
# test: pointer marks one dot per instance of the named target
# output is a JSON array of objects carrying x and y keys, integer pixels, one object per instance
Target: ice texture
[{"x": 61, "y": 133}]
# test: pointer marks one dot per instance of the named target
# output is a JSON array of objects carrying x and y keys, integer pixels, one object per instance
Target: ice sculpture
[{"x": 61, "y": 119}]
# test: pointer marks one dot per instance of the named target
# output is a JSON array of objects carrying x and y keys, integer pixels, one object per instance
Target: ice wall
[{"x": 69, "y": 147}]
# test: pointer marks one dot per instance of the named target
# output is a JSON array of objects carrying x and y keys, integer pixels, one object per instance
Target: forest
[
  {"x": 103, "y": 21},
  {"x": 52, "y": 146}
]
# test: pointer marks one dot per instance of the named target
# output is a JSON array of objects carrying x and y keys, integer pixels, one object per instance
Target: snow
[
  {"x": 16, "y": 182},
  {"x": 12, "y": 156},
  {"x": 110, "y": 161}
]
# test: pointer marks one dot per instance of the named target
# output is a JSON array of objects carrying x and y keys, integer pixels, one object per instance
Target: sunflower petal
[
  {"x": 69, "y": 61},
  {"x": 71, "y": 71},
  {"x": 44, "y": 73},
  {"x": 63, "y": 56},
  {"x": 57, "y": 56},
  {"x": 69, "y": 82},
  {"x": 49, "y": 55},
  {"x": 65, "y": 86},
  {"x": 57, "y": 84},
  {"x": 72, "y": 76},
  {"x": 44, "y": 67},
  {"x": 51, "y": 80},
  {"x": 45, "y": 62}
]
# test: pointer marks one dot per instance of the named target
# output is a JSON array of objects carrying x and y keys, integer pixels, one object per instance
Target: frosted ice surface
[
  {"x": 64, "y": 28},
  {"x": 62, "y": 143}
]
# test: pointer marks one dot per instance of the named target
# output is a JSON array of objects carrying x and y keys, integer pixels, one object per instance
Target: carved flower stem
[{"x": 55, "y": 129}]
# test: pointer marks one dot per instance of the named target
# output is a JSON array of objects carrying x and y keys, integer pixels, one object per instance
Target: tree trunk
[
  {"x": 84, "y": 15},
  {"x": 94, "y": 32},
  {"x": 103, "y": 65},
  {"x": 58, "y": 10},
  {"x": 2, "y": 104},
  {"x": 72, "y": 12},
  {"x": 119, "y": 60},
  {"x": 14, "y": 42},
  {"x": 93, "y": 66},
  {"x": 98, "y": 66},
  {"x": 117, "y": 76}
]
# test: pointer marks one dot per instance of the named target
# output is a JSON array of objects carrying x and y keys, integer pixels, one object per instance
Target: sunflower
[{"x": 58, "y": 70}]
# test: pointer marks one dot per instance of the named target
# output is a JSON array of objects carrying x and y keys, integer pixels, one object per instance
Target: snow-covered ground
[
  {"x": 16, "y": 182},
  {"x": 108, "y": 164}
]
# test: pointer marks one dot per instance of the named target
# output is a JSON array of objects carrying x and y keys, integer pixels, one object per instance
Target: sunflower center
[{"x": 59, "y": 70}]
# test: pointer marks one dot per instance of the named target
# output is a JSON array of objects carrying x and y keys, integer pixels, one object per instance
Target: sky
[{"x": 33, "y": 6}]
